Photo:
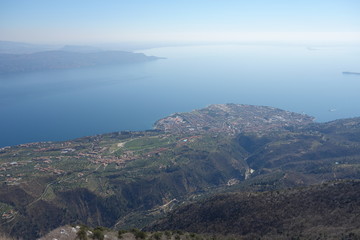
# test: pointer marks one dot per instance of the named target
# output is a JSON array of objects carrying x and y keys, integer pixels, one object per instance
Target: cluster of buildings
[{"x": 8, "y": 214}]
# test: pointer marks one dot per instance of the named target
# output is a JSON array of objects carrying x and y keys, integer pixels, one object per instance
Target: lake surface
[{"x": 65, "y": 104}]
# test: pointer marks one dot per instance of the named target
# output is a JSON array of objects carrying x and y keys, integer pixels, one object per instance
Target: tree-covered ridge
[{"x": 326, "y": 211}]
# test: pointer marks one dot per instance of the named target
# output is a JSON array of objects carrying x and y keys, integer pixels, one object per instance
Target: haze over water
[{"x": 65, "y": 104}]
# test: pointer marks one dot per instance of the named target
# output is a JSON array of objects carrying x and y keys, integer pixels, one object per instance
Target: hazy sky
[{"x": 59, "y": 21}]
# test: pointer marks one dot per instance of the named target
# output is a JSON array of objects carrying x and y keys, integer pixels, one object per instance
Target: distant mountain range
[
  {"x": 69, "y": 57},
  {"x": 25, "y": 57},
  {"x": 8, "y": 47},
  {"x": 80, "y": 49}
]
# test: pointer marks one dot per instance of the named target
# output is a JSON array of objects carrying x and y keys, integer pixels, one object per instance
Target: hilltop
[{"x": 130, "y": 179}]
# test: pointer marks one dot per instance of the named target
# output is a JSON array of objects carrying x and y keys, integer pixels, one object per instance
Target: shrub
[
  {"x": 81, "y": 234},
  {"x": 157, "y": 236},
  {"x": 140, "y": 235},
  {"x": 98, "y": 234},
  {"x": 121, "y": 232}
]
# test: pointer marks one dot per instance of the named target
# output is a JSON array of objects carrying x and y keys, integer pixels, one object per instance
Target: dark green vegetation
[
  {"x": 10, "y": 63},
  {"x": 328, "y": 211},
  {"x": 131, "y": 179}
]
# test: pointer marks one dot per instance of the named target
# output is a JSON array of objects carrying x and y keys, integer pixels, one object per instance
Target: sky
[{"x": 105, "y": 21}]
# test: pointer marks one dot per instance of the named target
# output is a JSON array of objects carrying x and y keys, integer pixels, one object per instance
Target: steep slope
[
  {"x": 325, "y": 151},
  {"x": 100, "y": 180},
  {"x": 328, "y": 211}
]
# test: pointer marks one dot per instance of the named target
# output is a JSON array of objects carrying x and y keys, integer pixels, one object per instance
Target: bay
[{"x": 65, "y": 104}]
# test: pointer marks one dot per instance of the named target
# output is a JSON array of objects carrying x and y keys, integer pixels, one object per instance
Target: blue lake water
[{"x": 65, "y": 104}]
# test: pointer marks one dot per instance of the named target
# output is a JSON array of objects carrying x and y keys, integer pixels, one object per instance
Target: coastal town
[
  {"x": 231, "y": 119},
  {"x": 117, "y": 149}
]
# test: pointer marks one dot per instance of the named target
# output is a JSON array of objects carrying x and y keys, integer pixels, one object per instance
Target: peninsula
[
  {"x": 60, "y": 59},
  {"x": 351, "y": 73}
]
